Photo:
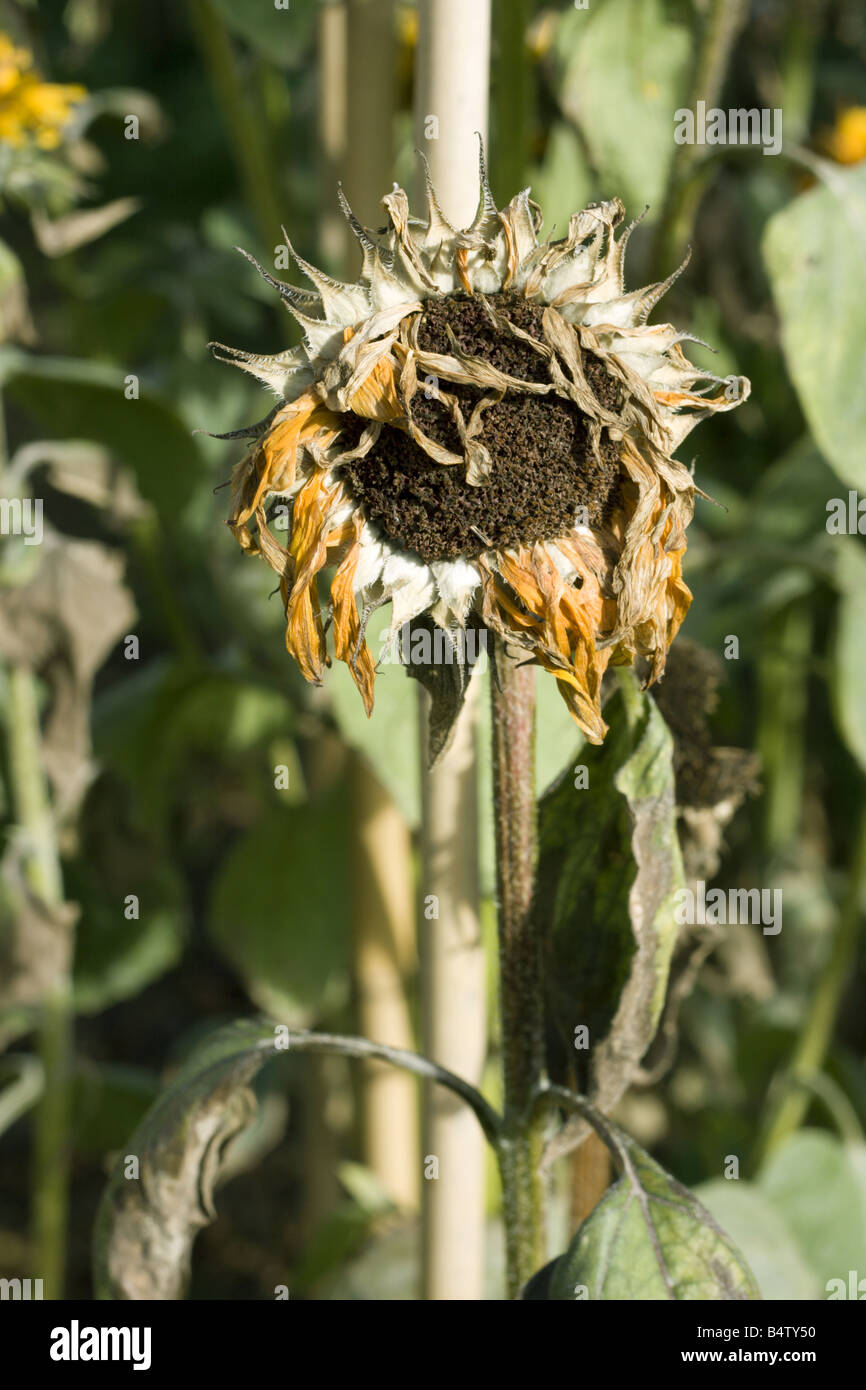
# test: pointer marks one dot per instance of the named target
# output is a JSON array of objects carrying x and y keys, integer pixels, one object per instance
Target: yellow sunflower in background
[
  {"x": 480, "y": 431},
  {"x": 846, "y": 142},
  {"x": 32, "y": 111}
]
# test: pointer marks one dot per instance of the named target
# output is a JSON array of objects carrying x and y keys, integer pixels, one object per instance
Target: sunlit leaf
[
  {"x": 802, "y": 1222},
  {"x": 815, "y": 253},
  {"x": 848, "y": 677},
  {"x": 623, "y": 70},
  {"x": 762, "y": 1234},
  {"x": 818, "y": 1183}
]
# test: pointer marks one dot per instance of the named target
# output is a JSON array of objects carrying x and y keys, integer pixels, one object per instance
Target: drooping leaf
[
  {"x": 815, "y": 253},
  {"x": 446, "y": 681},
  {"x": 650, "y": 1238},
  {"x": 147, "y": 1223},
  {"x": 629, "y": 57},
  {"x": 62, "y": 625},
  {"x": 609, "y": 869}
]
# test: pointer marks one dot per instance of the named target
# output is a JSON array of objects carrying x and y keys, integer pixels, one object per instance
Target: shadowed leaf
[
  {"x": 146, "y": 1225},
  {"x": 86, "y": 400},
  {"x": 609, "y": 869}
]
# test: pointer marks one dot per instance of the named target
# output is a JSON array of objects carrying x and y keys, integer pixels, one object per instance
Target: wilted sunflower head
[{"x": 480, "y": 431}]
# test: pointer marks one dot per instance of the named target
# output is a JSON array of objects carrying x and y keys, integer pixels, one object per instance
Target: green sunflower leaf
[
  {"x": 848, "y": 684},
  {"x": 630, "y": 57},
  {"x": 278, "y": 29},
  {"x": 74, "y": 399},
  {"x": 815, "y": 253},
  {"x": 650, "y": 1238},
  {"x": 279, "y": 911},
  {"x": 801, "y": 1223},
  {"x": 609, "y": 870},
  {"x": 818, "y": 1183}
]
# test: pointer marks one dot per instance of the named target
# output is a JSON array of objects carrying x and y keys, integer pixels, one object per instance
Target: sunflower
[
  {"x": 32, "y": 111},
  {"x": 479, "y": 432}
]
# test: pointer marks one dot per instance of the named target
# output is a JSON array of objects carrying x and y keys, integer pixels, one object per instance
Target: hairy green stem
[
  {"x": 513, "y": 721},
  {"x": 340, "y": 1045},
  {"x": 793, "y": 1096}
]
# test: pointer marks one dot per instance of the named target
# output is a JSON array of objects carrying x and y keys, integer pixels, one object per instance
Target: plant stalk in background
[
  {"x": 721, "y": 27},
  {"x": 451, "y": 86},
  {"x": 245, "y": 129}
]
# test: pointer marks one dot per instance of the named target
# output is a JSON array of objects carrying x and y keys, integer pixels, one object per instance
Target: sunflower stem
[{"x": 513, "y": 730}]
